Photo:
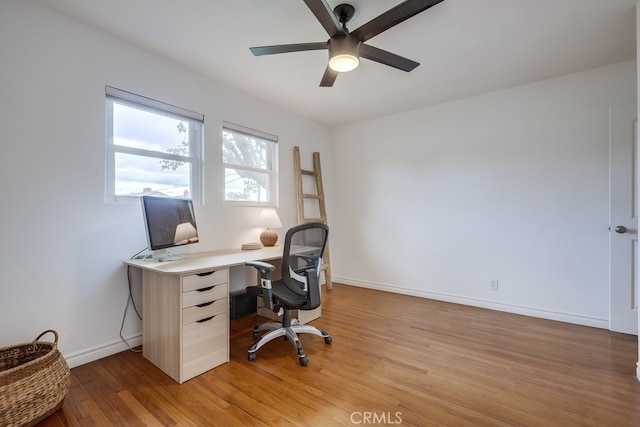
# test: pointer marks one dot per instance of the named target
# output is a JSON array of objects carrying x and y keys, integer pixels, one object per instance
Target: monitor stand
[{"x": 163, "y": 256}]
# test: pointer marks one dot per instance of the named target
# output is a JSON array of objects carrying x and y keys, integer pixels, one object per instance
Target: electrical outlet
[{"x": 493, "y": 285}]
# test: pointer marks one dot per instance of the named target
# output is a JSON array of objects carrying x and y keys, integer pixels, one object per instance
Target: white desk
[{"x": 185, "y": 328}]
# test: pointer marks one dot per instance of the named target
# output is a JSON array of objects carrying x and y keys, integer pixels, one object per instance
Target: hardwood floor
[{"x": 394, "y": 360}]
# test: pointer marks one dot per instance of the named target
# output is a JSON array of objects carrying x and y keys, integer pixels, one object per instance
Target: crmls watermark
[{"x": 375, "y": 417}]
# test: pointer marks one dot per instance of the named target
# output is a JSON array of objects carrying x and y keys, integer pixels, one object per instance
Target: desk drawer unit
[
  {"x": 185, "y": 330},
  {"x": 205, "y": 322},
  {"x": 186, "y": 322}
]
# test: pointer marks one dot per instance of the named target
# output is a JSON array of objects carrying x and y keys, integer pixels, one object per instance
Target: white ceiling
[{"x": 465, "y": 47}]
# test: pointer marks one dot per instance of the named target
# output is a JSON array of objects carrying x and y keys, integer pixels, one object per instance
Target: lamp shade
[{"x": 268, "y": 218}]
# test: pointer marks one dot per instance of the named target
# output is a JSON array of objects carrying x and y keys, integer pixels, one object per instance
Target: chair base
[{"x": 277, "y": 330}]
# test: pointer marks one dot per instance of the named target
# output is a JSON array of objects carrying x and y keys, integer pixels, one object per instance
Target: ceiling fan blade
[
  {"x": 391, "y": 17},
  {"x": 387, "y": 58},
  {"x": 285, "y": 48},
  {"x": 328, "y": 77},
  {"x": 324, "y": 14}
]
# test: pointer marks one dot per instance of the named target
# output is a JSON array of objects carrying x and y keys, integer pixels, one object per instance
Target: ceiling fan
[{"x": 346, "y": 47}]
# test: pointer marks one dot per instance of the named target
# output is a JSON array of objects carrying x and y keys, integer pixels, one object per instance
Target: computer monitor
[{"x": 169, "y": 222}]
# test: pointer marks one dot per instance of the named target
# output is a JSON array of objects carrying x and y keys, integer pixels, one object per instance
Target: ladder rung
[
  {"x": 308, "y": 220},
  {"x": 304, "y": 172},
  {"x": 311, "y": 196}
]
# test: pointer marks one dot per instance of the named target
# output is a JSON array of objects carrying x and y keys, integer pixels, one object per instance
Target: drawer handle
[
  {"x": 206, "y": 319},
  {"x": 207, "y": 273},
  {"x": 208, "y": 288},
  {"x": 204, "y": 304}
]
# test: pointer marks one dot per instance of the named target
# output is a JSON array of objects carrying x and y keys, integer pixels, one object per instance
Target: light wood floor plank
[{"x": 394, "y": 359}]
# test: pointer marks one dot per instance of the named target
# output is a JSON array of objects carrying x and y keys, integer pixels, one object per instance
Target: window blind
[{"x": 157, "y": 106}]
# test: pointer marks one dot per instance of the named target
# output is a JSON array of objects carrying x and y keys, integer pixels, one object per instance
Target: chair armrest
[
  {"x": 313, "y": 290},
  {"x": 262, "y": 266},
  {"x": 265, "y": 270}
]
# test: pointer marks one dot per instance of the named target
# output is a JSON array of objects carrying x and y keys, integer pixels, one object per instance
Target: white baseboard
[
  {"x": 509, "y": 308},
  {"x": 98, "y": 352}
]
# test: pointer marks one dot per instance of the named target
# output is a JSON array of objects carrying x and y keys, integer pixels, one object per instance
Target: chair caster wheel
[
  {"x": 303, "y": 361},
  {"x": 328, "y": 340},
  {"x": 252, "y": 357}
]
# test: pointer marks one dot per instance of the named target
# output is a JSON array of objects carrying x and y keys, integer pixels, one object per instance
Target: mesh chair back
[{"x": 304, "y": 247}]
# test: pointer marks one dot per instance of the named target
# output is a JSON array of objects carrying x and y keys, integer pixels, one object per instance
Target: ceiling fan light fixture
[
  {"x": 344, "y": 52},
  {"x": 344, "y": 62}
]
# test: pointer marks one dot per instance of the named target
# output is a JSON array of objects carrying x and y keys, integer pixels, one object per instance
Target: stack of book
[{"x": 252, "y": 245}]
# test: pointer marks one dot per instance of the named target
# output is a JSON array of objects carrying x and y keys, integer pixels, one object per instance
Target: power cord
[{"x": 131, "y": 301}]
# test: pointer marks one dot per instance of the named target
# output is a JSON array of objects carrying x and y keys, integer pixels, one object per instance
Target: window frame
[
  {"x": 272, "y": 172},
  {"x": 196, "y": 142}
]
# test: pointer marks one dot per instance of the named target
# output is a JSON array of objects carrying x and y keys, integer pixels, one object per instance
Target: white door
[{"x": 623, "y": 220}]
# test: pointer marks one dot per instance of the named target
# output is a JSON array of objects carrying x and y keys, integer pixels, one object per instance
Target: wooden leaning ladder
[{"x": 318, "y": 196}]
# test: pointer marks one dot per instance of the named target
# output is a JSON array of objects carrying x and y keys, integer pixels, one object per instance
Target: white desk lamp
[{"x": 269, "y": 219}]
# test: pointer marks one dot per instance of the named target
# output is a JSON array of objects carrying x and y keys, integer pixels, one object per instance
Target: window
[
  {"x": 152, "y": 148},
  {"x": 250, "y": 166}
]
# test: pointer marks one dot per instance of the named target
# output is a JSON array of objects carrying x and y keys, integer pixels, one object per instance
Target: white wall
[
  {"x": 511, "y": 185},
  {"x": 63, "y": 246}
]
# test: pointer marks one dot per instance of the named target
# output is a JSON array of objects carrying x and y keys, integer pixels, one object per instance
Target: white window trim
[
  {"x": 197, "y": 144},
  {"x": 273, "y": 173}
]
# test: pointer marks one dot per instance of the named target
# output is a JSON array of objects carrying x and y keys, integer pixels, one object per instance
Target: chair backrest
[{"x": 304, "y": 247}]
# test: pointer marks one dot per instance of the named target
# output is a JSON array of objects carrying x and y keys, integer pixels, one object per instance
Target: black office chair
[{"x": 299, "y": 288}]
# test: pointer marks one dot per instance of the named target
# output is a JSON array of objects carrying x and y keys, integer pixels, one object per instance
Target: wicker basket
[{"x": 34, "y": 379}]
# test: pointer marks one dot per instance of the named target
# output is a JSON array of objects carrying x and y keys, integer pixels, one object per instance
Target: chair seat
[{"x": 286, "y": 296}]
